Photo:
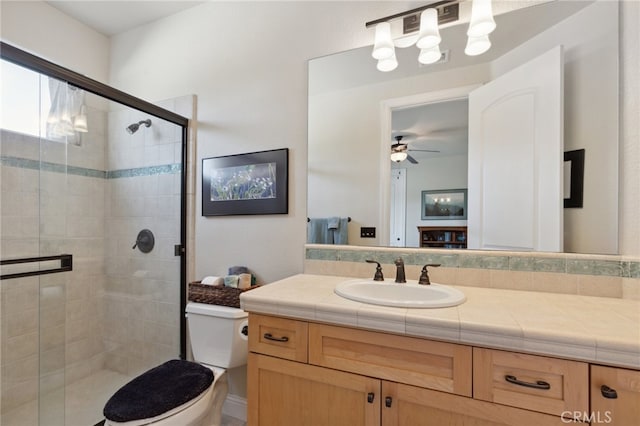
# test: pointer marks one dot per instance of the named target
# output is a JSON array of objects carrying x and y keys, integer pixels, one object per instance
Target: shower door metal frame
[{"x": 27, "y": 60}]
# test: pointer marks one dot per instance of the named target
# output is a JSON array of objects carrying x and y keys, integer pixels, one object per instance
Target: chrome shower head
[{"x": 132, "y": 128}]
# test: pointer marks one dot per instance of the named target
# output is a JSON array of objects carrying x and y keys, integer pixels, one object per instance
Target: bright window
[{"x": 25, "y": 100}]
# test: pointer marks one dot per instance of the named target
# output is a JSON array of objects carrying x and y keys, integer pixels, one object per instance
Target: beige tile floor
[
  {"x": 83, "y": 404},
  {"x": 80, "y": 405}
]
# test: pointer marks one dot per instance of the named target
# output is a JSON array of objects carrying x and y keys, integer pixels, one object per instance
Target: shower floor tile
[{"x": 85, "y": 400}]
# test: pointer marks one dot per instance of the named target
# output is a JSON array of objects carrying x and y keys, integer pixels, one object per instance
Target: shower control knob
[{"x": 145, "y": 241}]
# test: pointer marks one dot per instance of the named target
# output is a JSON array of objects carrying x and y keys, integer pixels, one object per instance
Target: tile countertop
[{"x": 594, "y": 329}]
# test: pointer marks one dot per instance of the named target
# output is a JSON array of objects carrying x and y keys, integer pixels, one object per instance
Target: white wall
[
  {"x": 247, "y": 63},
  {"x": 40, "y": 29}
]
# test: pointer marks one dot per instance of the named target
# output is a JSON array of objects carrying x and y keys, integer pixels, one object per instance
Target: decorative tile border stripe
[
  {"x": 145, "y": 171},
  {"x": 474, "y": 259},
  {"x": 86, "y": 172},
  {"x": 46, "y": 166}
]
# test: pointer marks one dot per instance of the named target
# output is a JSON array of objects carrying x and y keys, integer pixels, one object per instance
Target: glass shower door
[
  {"x": 33, "y": 305},
  {"x": 81, "y": 177}
]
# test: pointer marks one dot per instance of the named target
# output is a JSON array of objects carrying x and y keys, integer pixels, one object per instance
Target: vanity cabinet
[
  {"x": 443, "y": 236},
  {"x": 357, "y": 377},
  {"x": 615, "y": 396}
]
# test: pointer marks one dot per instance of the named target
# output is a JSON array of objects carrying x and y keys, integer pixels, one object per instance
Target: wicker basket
[{"x": 216, "y": 294}]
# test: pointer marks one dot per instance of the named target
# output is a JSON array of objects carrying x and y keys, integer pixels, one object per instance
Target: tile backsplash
[{"x": 590, "y": 275}]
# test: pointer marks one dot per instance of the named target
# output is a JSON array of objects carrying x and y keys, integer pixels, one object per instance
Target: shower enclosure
[{"x": 93, "y": 235}]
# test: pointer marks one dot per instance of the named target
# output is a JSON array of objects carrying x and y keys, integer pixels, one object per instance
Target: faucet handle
[
  {"x": 424, "y": 275},
  {"x": 378, "y": 275}
]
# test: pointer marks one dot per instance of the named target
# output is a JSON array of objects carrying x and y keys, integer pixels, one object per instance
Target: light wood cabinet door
[
  {"x": 548, "y": 385},
  {"x": 286, "y": 393},
  {"x": 414, "y": 406},
  {"x": 434, "y": 365},
  {"x": 615, "y": 396}
]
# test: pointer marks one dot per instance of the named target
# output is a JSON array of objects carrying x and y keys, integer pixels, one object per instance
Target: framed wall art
[
  {"x": 444, "y": 204},
  {"x": 246, "y": 184}
]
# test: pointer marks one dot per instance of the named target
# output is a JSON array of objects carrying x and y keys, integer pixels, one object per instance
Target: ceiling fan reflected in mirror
[{"x": 400, "y": 151}]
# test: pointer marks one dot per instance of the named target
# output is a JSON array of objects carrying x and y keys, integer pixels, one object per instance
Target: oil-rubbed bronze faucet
[
  {"x": 378, "y": 275},
  {"x": 424, "y": 276},
  {"x": 400, "y": 276}
]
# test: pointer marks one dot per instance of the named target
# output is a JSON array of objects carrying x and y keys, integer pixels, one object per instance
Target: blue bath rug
[{"x": 159, "y": 390}]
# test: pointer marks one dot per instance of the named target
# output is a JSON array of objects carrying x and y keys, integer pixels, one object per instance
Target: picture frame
[
  {"x": 574, "y": 178},
  {"x": 253, "y": 183},
  {"x": 444, "y": 204}
]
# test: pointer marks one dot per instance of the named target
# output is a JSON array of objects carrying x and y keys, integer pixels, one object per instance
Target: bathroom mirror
[{"x": 352, "y": 107}]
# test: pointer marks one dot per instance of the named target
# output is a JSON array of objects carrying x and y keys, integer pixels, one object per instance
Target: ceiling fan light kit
[
  {"x": 398, "y": 156},
  {"x": 424, "y": 21},
  {"x": 399, "y": 151}
]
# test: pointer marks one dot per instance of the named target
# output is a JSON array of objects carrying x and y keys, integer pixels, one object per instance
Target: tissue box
[{"x": 215, "y": 294}]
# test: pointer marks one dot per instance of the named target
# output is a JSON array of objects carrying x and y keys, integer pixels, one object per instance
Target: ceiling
[
  {"x": 110, "y": 17},
  {"x": 440, "y": 126}
]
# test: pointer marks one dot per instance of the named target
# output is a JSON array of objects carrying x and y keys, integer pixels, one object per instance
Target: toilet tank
[{"x": 216, "y": 334}]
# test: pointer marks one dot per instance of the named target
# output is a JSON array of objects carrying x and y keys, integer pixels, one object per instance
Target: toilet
[{"x": 179, "y": 392}]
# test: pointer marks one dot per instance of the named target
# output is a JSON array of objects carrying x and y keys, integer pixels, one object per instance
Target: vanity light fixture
[{"x": 420, "y": 28}]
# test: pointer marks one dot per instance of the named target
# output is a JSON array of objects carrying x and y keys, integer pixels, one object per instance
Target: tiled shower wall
[{"x": 141, "y": 314}]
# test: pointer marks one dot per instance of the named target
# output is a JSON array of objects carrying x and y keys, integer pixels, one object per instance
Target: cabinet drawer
[
  {"x": 280, "y": 337},
  {"x": 547, "y": 385},
  {"x": 435, "y": 365}
]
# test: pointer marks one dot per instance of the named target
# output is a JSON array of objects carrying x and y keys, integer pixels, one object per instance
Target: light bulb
[
  {"x": 482, "y": 22},
  {"x": 429, "y": 33},
  {"x": 477, "y": 45},
  {"x": 80, "y": 121},
  {"x": 388, "y": 64},
  {"x": 398, "y": 156},
  {"x": 430, "y": 56},
  {"x": 383, "y": 45}
]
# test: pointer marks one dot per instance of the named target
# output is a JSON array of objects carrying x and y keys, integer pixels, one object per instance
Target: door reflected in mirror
[{"x": 355, "y": 113}]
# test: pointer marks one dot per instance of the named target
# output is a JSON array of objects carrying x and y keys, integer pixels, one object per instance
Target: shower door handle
[{"x": 66, "y": 264}]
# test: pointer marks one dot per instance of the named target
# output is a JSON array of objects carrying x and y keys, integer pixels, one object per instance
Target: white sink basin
[{"x": 407, "y": 295}]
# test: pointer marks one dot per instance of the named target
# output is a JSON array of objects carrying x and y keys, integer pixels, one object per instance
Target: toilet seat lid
[{"x": 158, "y": 391}]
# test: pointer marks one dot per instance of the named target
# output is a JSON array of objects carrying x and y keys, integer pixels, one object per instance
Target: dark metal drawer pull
[
  {"x": 537, "y": 385},
  {"x": 607, "y": 392},
  {"x": 268, "y": 336},
  {"x": 388, "y": 401},
  {"x": 370, "y": 397}
]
